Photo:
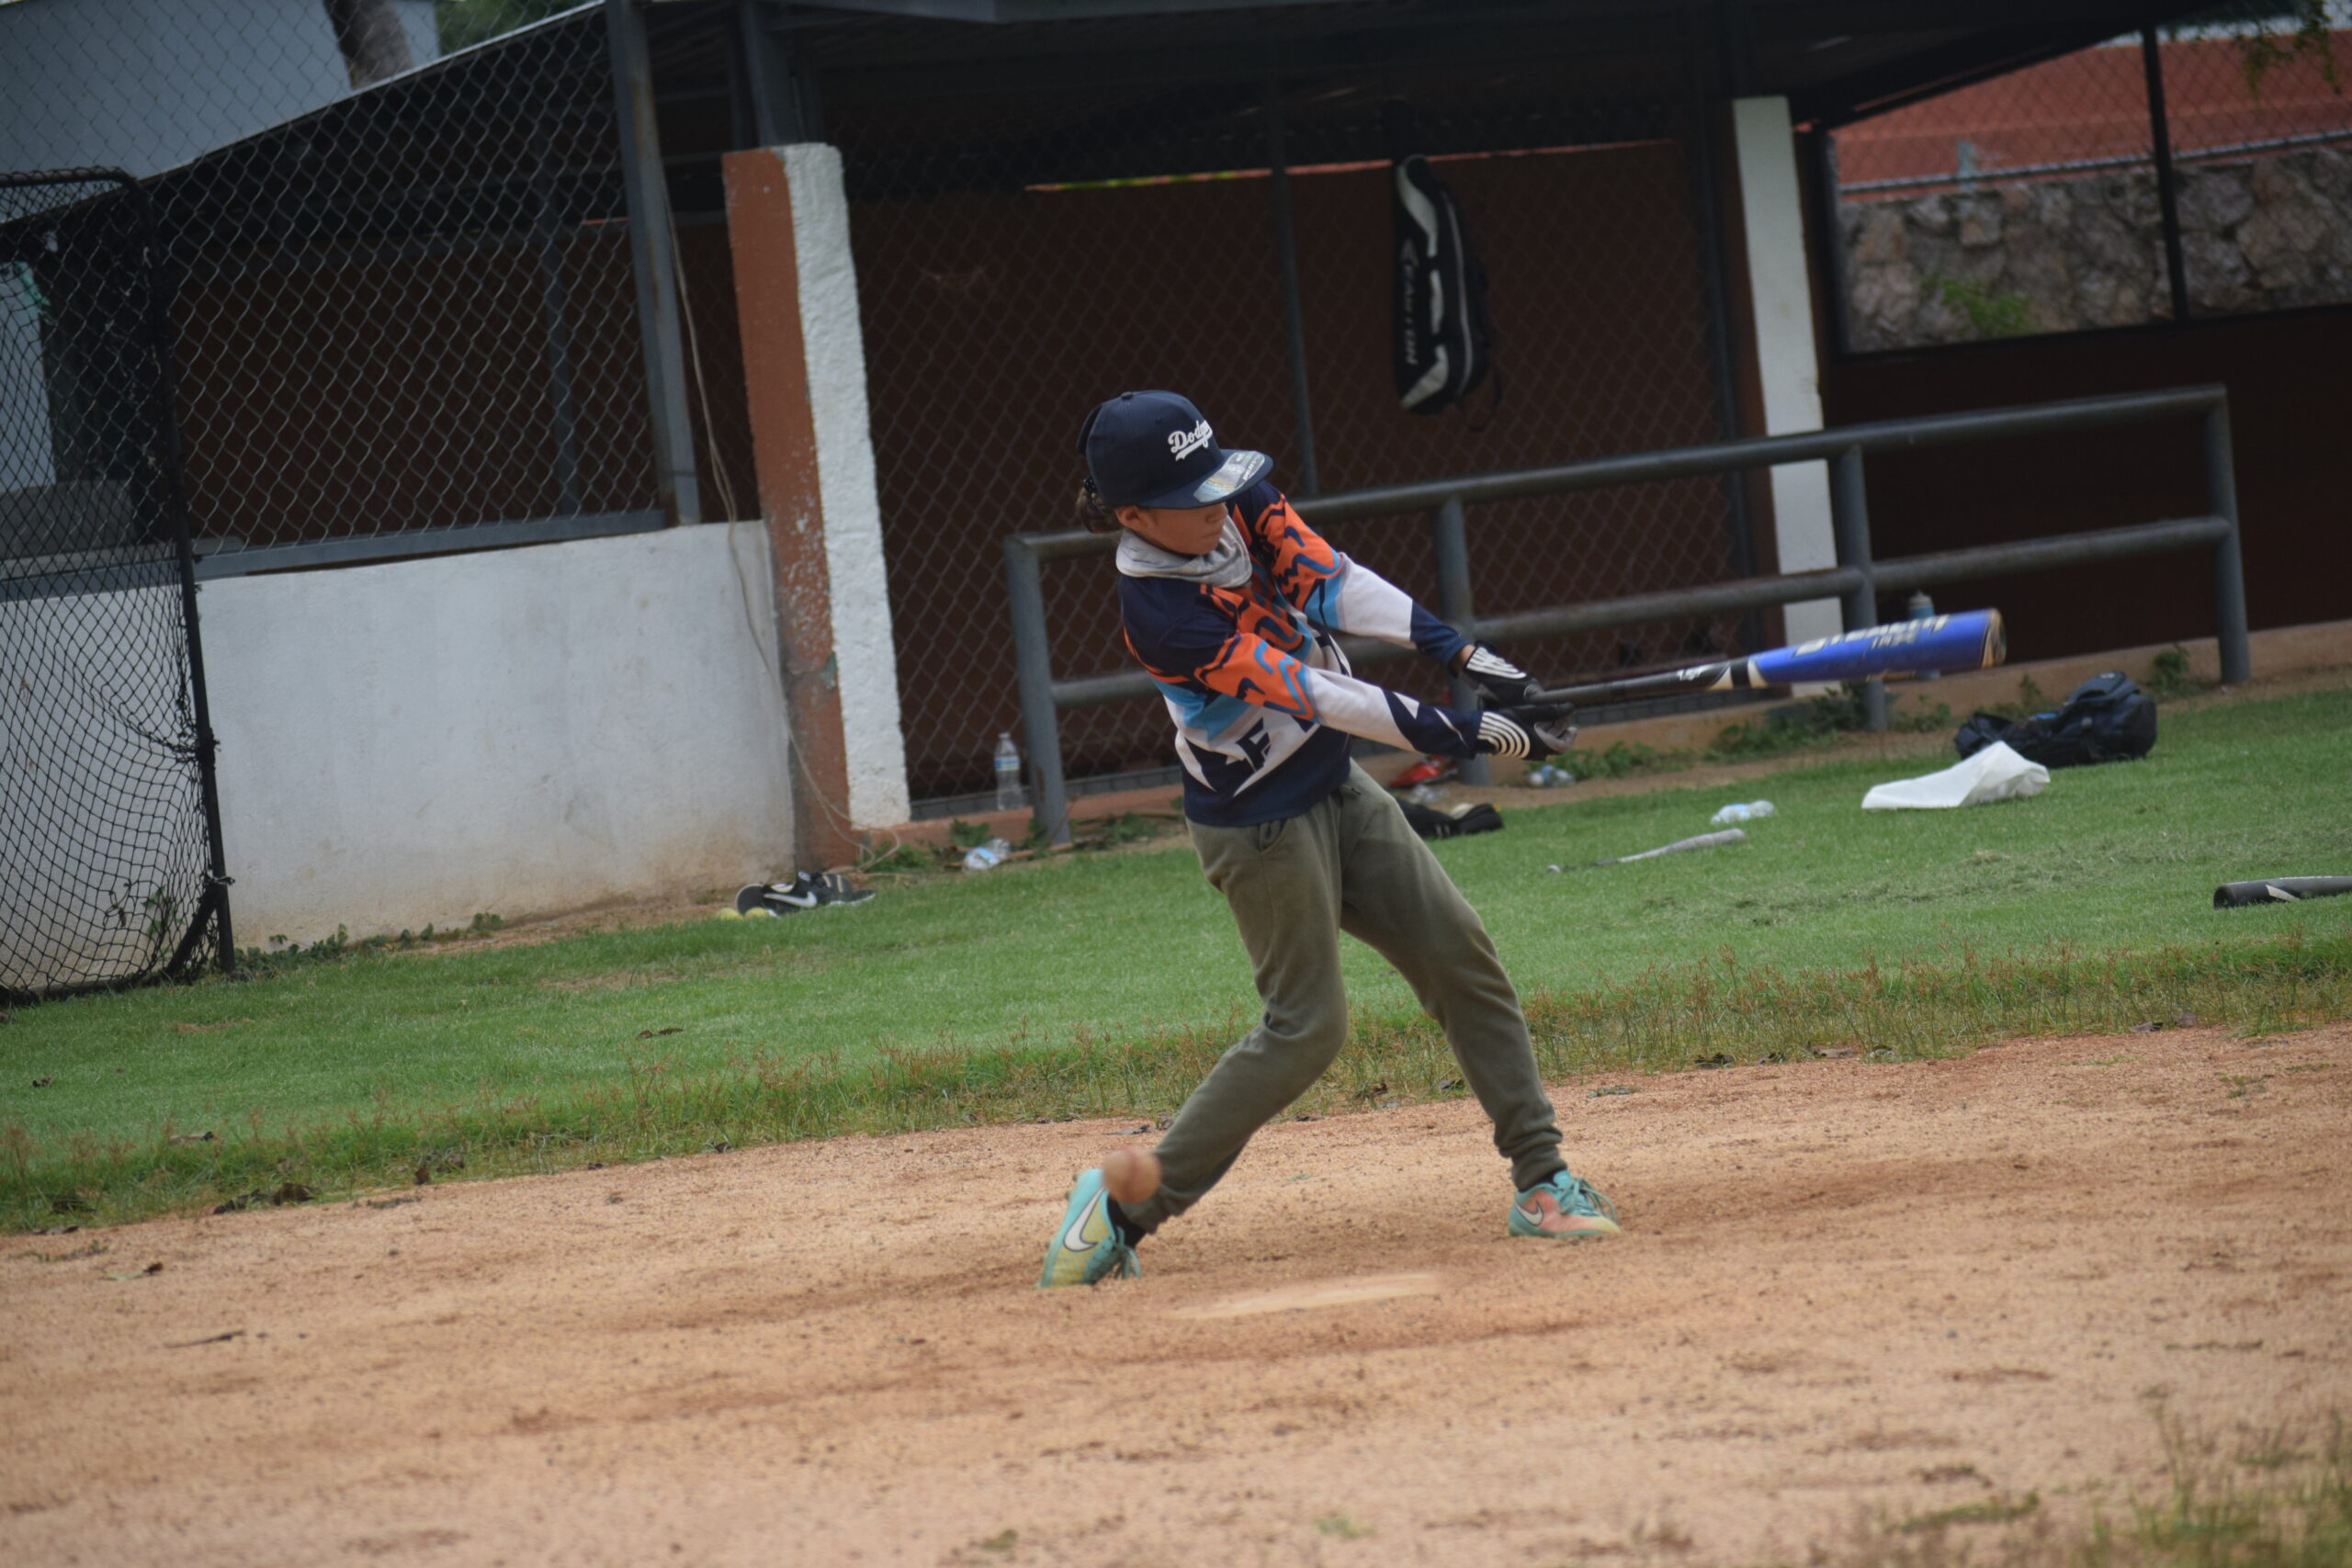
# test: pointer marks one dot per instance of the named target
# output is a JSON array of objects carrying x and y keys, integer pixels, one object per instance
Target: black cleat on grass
[{"x": 807, "y": 890}]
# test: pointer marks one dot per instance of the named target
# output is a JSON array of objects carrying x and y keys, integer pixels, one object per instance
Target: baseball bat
[
  {"x": 1704, "y": 842},
  {"x": 1972, "y": 639},
  {"x": 2280, "y": 890}
]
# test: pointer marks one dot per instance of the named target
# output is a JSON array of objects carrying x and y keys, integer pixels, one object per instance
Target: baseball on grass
[{"x": 1131, "y": 1175}]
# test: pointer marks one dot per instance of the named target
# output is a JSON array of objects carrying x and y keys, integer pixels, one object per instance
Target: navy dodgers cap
[{"x": 1155, "y": 449}]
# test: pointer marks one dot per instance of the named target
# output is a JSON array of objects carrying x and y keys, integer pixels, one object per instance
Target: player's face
[{"x": 1187, "y": 531}]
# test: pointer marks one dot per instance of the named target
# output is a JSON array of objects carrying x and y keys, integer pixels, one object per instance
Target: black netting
[
  {"x": 2261, "y": 127},
  {"x": 404, "y": 292},
  {"x": 1018, "y": 260},
  {"x": 108, "y": 864}
]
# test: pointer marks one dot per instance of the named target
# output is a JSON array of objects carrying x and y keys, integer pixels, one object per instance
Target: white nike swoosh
[
  {"x": 807, "y": 901},
  {"x": 1071, "y": 1238}
]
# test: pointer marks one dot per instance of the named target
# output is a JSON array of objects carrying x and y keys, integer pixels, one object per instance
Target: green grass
[
  {"x": 2286, "y": 1506},
  {"x": 1103, "y": 983}
]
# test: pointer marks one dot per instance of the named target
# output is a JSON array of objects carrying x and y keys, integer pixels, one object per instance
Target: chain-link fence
[
  {"x": 1019, "y": 260},
  {"x": 404, "y": 300},
  {"x": 2035, "y": 202},
  {"x": 109, "y": 844}
]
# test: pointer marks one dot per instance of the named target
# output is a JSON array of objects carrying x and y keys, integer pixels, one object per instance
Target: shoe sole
[{"x": 1519, "y": 1228}]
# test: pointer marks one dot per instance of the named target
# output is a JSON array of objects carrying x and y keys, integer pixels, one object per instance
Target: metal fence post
[
  {"x": 171, "y": 462},
  {"x": 1450, "y": 540},
  {"x": 2167, "y": 187},
  {"x": 1286, "y": 261},
  {"x": 649, "y": 241},
  {"x": 1033, "y": 657},
  {"x": 2229, "y": 567},
  {"x": 1850, "y": 517}
]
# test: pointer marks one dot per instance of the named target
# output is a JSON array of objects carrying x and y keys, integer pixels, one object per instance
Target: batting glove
[
  {"x": 1504, "y": 684},
  {"x": 1532, "y": 730}
]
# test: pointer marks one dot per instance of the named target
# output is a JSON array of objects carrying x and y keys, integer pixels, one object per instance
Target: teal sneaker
[
  {"x": 1087, "y": 1247},
  {"x": 1567, "y": 1208}
]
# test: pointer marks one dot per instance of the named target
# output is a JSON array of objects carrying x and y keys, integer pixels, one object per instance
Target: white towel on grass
[{"x": 1995, "y": 773}]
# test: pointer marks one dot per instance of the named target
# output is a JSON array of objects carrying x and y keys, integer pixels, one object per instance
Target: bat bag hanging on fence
[{"x": 1445, "y": 342}]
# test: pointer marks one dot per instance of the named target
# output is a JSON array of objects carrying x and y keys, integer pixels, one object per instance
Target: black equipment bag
[
  {"x": 1443, "y": 339},
  {"x": 2107, "y": 718},
  {"x": 1461, "y": 821}
]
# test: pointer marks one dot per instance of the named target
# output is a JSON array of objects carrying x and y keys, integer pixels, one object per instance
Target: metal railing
[{"x": 1856, "y": 581}]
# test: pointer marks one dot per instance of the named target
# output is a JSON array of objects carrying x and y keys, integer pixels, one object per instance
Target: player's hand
[
  {"x": 1504, "y": 684},
  {"x": 1531, "y": 730}
]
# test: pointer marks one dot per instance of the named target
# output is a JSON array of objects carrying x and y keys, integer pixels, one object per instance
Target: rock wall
[{"x": 2059, "y": 255}]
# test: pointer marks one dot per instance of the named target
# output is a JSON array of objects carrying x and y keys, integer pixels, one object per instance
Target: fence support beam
[
  {"x": 2229, "y": 567},
  {"x": 1849, "y": 517},
  {"x": 1449, "y": 540},
  {"x": 679, "y": 492},
  {"x": 2167, "y": 187},
  {"x": 783, "y": 102},
  {"x": 1707, "y": 201},
  {"x": 1293, "y": 319},
  {"x": 1034, "y": 667}
]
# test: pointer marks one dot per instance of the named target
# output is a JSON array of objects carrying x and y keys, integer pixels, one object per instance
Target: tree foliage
[{"x": 464, "y": 22}]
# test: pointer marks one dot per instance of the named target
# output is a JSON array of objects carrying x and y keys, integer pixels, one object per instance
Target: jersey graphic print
[{"x": 1254, "y": 679}]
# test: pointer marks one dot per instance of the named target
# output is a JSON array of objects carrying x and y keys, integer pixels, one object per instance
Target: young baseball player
[{"x": 1233, "y": 605}]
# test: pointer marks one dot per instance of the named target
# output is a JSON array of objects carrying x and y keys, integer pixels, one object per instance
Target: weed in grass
[
  {"x": 2169, "y": 678},
  {"x": 2030, "y": 699},
  {"x": 902, "y": 859},
  {"x": 281, "y": 954},
  {"x": 1990, "y": 1511},
  {"x": 1816, "y": 721},
  {"x": 2296, "y": 1515},
  {"x": 1619, "y": 761}
]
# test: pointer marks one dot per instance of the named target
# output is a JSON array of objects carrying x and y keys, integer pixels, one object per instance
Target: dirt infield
[{"x": 1846, "y": 1288}]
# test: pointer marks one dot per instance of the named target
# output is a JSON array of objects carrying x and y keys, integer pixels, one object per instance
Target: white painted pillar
[
  {"x": 875, "y": 746},
  {"x": 804, "y": 363},
  {"x": 1781, "y": 290}
]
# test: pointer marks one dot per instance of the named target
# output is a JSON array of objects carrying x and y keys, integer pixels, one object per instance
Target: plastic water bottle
[
  {"x": 1010, "y": 796},
  {"x": 1744, "y": 812},
  {"x": 988, "y": 856},
  {"x": 1544, "y": 775},
  {"x": 1922, "y": 608}
]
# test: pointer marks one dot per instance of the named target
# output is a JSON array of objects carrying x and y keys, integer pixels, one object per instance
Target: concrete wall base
[{"x": 510, "y": 731}]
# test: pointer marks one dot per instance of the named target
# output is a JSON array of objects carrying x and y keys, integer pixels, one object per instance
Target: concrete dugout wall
[{"x": 511, "y": 731}]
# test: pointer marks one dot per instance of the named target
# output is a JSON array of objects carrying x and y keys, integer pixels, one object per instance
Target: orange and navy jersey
[{"x": 1251, "y": 667}]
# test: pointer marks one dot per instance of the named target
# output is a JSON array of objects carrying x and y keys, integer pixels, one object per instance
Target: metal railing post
[
  {"x": 1450, "y": 541},
  {"x": 1040, "y": 725},
  {"x": 1849, "y": 519},
  {"x": 2229, "y": 567}
]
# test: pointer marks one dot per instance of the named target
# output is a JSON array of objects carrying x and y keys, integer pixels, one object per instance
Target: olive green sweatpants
[{"x": 1349, "y": 863}]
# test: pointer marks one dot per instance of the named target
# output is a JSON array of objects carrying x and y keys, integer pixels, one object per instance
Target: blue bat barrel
[{"x": 1971, "y": 640}]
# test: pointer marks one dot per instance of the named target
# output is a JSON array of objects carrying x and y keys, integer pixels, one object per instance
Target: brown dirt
[{"x": 1846, "y": 1286}]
